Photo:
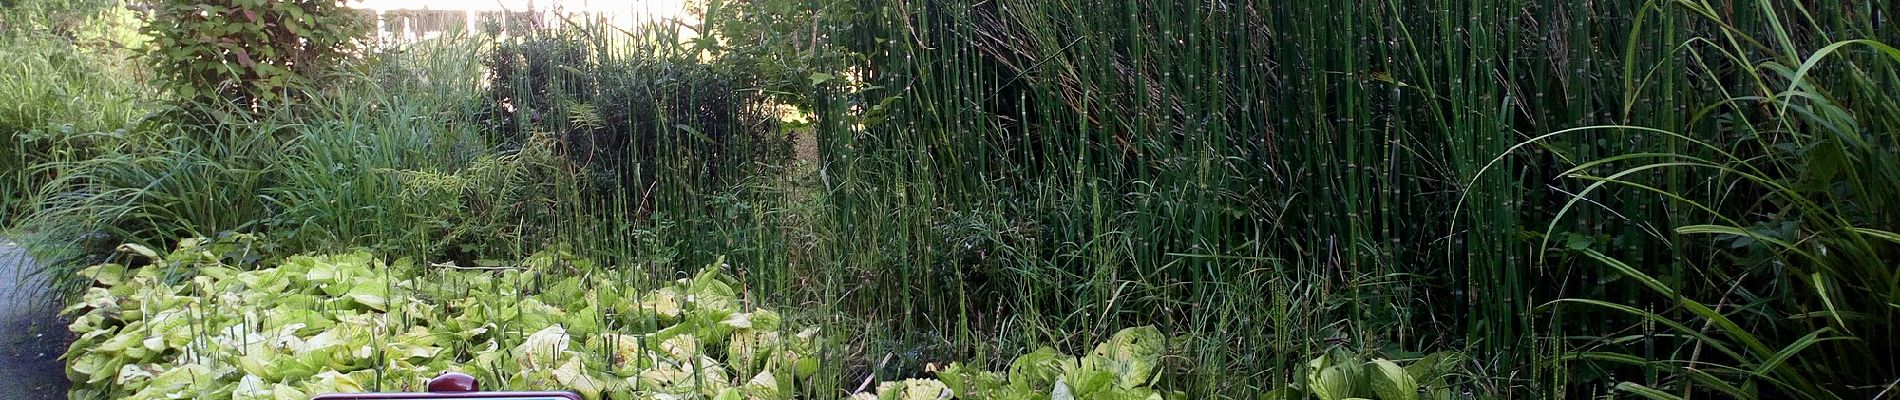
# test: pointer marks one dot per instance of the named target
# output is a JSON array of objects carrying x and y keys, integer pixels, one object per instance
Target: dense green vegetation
[
  {"x": 1661, "y": 199},
  {"x": 350, "y": 323},
  {"x": 67, "y": 95},
  {"x": 245, "y": 53}
]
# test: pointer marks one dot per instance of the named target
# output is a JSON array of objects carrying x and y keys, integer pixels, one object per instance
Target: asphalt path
[{"x": 32, "y": 336}]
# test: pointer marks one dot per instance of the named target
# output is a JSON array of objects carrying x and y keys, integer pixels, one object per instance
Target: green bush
[
  {"x": 352, "y": 323},
  {"x": 399, "y": 168},
  {"x": 1800, "y": 237},
  {"x": 62, "y": 99},
  {"x": 213, "y": 324},
  {"x": 254, "y": 54},
  {"x": 394, "y": 159},
  {"x": 1341, "y": 375},
  {"x": 61, "y": 18},
  {"x": 629, "y": 114},
  {"x": 533, "y": 79},
  {"x": 153, "y": 186}
]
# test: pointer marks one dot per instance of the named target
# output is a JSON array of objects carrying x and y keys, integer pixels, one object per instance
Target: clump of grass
[
  {"x": 62, "y": 102},
  {"x": 1791, "y": 234},
  {"x": 1035, "y": 172},
  {"x": 1273, "y": 180},
  {"x": 1049, "y": 171},
  {"x": 149, "y": 190},
  {"x": 326, "y": 175}
]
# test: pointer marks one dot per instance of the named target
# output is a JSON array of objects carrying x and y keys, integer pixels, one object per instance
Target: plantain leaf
[
  {"x": 1131, "y": 355},
  {"x": 1390, "y": 382}
]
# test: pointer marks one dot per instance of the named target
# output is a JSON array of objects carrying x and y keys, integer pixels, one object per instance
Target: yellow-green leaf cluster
[
  {"x": 355, "y": 322},
  {"x": 1341, "y": 376},
  {"x": 1123, "y": 368}
]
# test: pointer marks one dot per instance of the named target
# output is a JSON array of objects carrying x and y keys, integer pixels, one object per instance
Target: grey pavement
[{"x": 32, "y": 336}]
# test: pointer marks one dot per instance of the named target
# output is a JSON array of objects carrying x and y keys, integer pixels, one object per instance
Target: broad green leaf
[
  {"x": 819, "y": 78},
  {"x": 1090, "y": 383},
  {"x": 762, "y": 386},
  {"x": 1431, "y": 369},
  {"x": 544, "y": 348},
  {"x": 1645, "y": 391},
  {"x": 1283, "y": 394},
  {"x": 972, "y": 383},
  {"x": 1061, "y": 391},
  {"x": 1335, "y": 382},
  {"x": 107, "y": 275},
  {"x": 1039, "y": 368},
  {"x": 1132, "y": 355},
  {"x": 573, "y": 375},
  {"x": 913, "y": 389},
  {"x": 1390, "y": 382},
  {"x": 141, "y": 250}
]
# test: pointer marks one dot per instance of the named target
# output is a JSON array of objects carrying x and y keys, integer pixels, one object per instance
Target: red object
[
  {"x": 454, "y": 382},
  {"x": 452, "y": 385}
]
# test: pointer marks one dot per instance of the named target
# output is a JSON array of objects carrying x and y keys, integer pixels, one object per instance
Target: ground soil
[{"x": 32, "y": 336}]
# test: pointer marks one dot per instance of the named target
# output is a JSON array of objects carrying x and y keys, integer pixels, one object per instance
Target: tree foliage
[{"x": 249, "y": 52}]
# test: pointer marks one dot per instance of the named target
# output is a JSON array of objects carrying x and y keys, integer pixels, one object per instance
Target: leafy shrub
[
  {"x": 626, "y": 115},
  {"x": 249, "y": 53},
  {"x": 60, "y": 100},
  {"x": 397, "y": 168},
  {"x": 1124, "y": 367},
  {"x": 151, "y": 187},
  {"x": 353, "y": 322},
  {"x": 774, "y": 43},
  {"x": 391, "y": 158},
  {"x": 95, "y": 24},
  {"x": 1339, "y": 375},
  {"x": 480, "y": 210},
  {"x": 531, "y": 78},
  {"x": 1794, "y": 292}
]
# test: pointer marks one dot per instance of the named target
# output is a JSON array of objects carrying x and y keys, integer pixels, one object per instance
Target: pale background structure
[{"x": 422, "y": 19}]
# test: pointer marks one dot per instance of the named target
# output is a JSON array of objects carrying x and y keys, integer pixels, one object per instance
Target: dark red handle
[
  {"x": 454, "y": 382},
  {"x": 450, "y": 385}
]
